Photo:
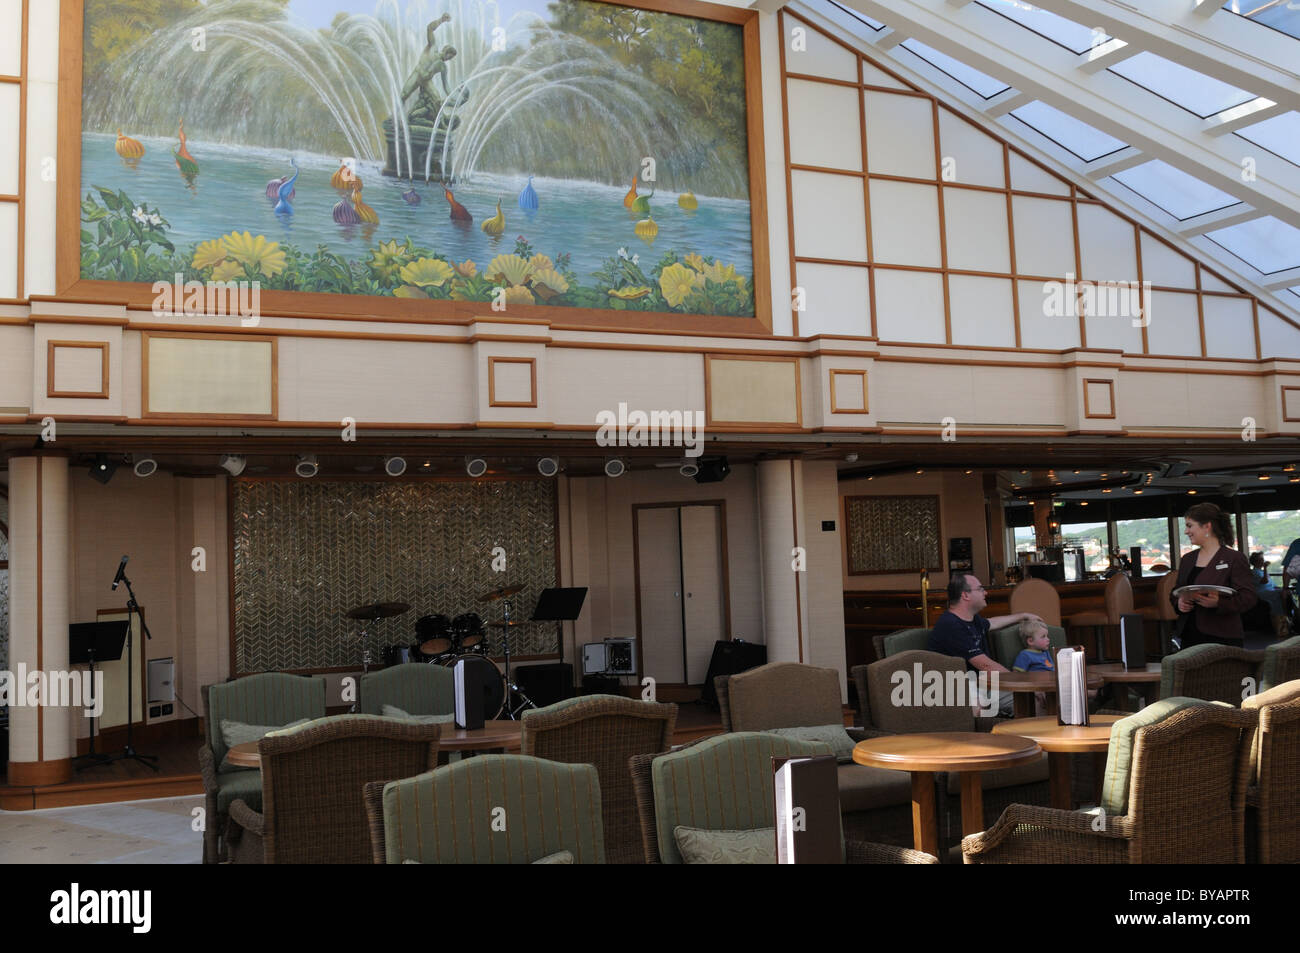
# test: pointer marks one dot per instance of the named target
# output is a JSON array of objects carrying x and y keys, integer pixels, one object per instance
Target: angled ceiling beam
[
  {"x": 1282, "y": 279},
  {"x": 889, "y": 37},
  {"x": 1239, "y": 117},
  {"x": 1220, "y": 218},
  {"x": 1105, "y": 55},
  {"x": 1229, "y": 48},
  {"x": 1036, "y": 66},
  {"x": 1115, "y": 162},
  {"x": 1006, "y": 101}
]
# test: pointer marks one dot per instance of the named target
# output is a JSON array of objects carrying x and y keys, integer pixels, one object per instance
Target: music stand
[{"x": 88, "y": 643}]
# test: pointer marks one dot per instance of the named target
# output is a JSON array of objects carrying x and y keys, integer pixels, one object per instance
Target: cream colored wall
[
  {"x": 961, "y": 513},
  {"x": 824, "y": 582}
]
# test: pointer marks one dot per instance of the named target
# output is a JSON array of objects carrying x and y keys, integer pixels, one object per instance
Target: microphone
[{"x": 121, "y": 571}]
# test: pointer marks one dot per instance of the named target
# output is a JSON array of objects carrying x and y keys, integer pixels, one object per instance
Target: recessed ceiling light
[
  {"x": 1191, "y": 492},
  {"x": 1083, "y": 502},
  {"x": 1138, "y": 492},
  {"x": 1106, "y": 490},
  {"x": 919, "y": 471},
  {"x": 1265, "y": 476}
]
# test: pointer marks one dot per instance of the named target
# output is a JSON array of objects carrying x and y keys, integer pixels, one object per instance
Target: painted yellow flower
[
  {"x": 676, "y": 282},
  {"x": 426, "y": 272},
  {"x": 466, "y": 269},
  {"x": 409, "y": 291},
  {"x": 540, "y": 262},
  {"x": 550, "y": 279},
  {"x": 227, "y": 271},
  {"x": 210, "y": 253},
  {"x": 257, "y": 253},
  {"x": 718, "y": 272},
  {"x": 511, "y": 268},
  {"x": 388, "y": 259},
  {"x": 694, "y": 261},
  {"x": 630, "y": 293},
  {"x": 519, "y": 295}
]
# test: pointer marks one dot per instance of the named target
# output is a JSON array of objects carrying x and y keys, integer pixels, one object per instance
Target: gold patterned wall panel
[
  {"x": 305, "y": 552},
  {"x": 893, "y": 534}
]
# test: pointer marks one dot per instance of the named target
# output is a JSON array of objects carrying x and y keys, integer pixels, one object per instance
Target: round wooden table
[
  {"x": 1144, "y": 679},
  {"x": 1023, "y": 686},
  {"x": 501, "y": 734},
  {"x": 966, "y": 752},
  {"x": 1061, "y": 741}
]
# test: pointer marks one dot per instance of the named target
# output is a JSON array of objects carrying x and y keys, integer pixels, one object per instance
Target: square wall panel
[
  {"x": 982, "y": 311},
  {"x": 1040, "y": 325},
  {"x": 1027, "y": 177},
  {"x": 1162, "y": 266},
  {"x": 909, "y": 306},
  {"x": 976, "y": 157},
  {"x": 824, "y": 125},
  {"x": 905, "y": 223},
  {"x": 1174, "y": 326},
  {"x": 816, "y": 54},
  {"x": 975, "y": 224},
  {"x": 1107, "y": 245},
  {"x": 9, "y": 100},
  {"x": 1113, "y": 317},
  {"x": 1044, "y": 237},
  {"x": 1229, "y": 327},
  {"x": 837, "y": 299},
  {"x": 11, "y": 36},
  {"x": 830, "y": 219},
  {"x": 1277, "y": 337},
  {"x": 900, "y": 135}
]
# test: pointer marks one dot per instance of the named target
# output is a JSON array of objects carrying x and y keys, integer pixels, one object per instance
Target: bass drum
[{"x": 494, "y": 682}]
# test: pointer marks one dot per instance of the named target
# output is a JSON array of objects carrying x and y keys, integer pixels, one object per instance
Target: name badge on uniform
[{"x": 1221, "y": 566}]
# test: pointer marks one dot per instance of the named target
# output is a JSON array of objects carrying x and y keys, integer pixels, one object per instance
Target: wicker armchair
[
  {"x": 875, "y": 802},
  {"x": 1273, "y": 792},
  {"x": 268, "y": 698},
  {"x": 1281, "y": 664},
  {"x": 1174, "y": 794},
  {"x": 604, "y": 731},
  {"x": 312, "y": 780},
  {"x": 415, "y": 687},
  {"x": 490, "y": 809},
  {"x": 1215, "y": 673},
  {"x": 725, "y": 782}
]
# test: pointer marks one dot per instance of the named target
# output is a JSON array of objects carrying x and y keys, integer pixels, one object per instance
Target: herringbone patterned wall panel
[
  {"x": 306, "y": 552},
  {"x": 893, "y": 534}
]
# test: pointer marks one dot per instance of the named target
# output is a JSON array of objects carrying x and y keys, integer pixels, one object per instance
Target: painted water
[{"x": 584, "y": 219}]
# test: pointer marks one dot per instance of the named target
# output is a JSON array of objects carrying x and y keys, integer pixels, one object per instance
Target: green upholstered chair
[
  {"x": 876, "y": 802},
  {"x": 725, "y": 783},
  {"x": 1281, "y": 664},
  {"x": 415, "y": 687},
  {"x": 604, "y": 731},
  {"x": 1006, "y": 643},
  {"x": 312, "y": 809},
  {"x": 1174, "y": 793},
  {"x": 1215, "y": 673},
  {"x": 902, "y": 641},
  {"x": 491, "y": 809},
  {"x": 268, "y": 698},
  {"x": 894, "y": 711},
  {"x": 1273, "y": 790}
]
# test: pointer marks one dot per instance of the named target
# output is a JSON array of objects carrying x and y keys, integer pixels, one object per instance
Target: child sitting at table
[{"x": 1036, "y": 656}]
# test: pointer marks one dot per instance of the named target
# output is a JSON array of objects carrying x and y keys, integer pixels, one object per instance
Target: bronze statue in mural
[{"x": 432, "y": 64}]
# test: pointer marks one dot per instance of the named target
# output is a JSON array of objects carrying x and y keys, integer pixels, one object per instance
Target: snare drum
[
  {"x": 494, "y": 682},
  {"x": 467, "y": 632},
  {"x": 433, "y": 635}
]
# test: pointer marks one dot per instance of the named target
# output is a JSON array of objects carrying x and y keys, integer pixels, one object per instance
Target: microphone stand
[{"x": 133, "y": 610}]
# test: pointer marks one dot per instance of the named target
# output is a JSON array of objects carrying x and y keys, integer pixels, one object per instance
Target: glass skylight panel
[
  {"x": 1266, "y": 244},
  {"x": 1069, "y": 133},
  {"x": 1075, "y": 37},
  {"x": 861, "y": 18},
  {"x": 1279, "y": 135},
  {"x": 1179, "y": 194},
  {"x": 1193, "y": 91},
  {"x": 1281, "y": 15},
  {"x": 971, "y": 78}
]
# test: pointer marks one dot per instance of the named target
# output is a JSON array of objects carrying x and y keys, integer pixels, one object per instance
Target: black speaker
[
  {"x": 601, "y": 685},
  {"x": 545, "y": 684},
  {"x": 729, "y": 658}
]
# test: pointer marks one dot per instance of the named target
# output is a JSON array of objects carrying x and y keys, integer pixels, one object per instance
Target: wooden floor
[{"x": 178, "y": 770}]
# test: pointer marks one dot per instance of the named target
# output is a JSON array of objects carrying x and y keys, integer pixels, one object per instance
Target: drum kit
[{"x": 441, "y": 640}]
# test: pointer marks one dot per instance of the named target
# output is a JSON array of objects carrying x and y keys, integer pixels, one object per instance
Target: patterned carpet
[{"x": 133, "y": 832}]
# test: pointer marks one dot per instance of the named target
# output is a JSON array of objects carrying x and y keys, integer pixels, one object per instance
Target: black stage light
[
  {"x": 713, "y": 470},
  {"x": 102, "y": 469}
]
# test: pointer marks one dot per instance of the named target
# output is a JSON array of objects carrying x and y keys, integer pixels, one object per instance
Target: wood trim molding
[
  {"x": 848, "y": 372},
  {"x": 1087, "y": 407},
  {"x": 781, "y": 425},
  {"x": 148, "y": 415},
  {"x": 52, "y": 346},
  {"x": 492, "y": 381},
  {"x": 39, "y": 773}
]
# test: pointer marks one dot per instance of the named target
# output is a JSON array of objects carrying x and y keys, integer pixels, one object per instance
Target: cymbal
[
  {"x": 502, "y": 625},
  {"x": 501, "y": 593},
  {"x": 379, "y": 610}
]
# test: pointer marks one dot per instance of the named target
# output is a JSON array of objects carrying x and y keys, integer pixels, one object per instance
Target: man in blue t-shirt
[{"x": 962, "y": 632}]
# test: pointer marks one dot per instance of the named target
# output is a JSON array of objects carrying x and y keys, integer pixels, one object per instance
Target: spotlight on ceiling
[
  {"x": 548, "y": 466},
  {"x": 394, "y": 466},
  {"x": 102, "y": 469},
  {"x": 690, "y": 468},
  {"x": 713, "y": 470},
  {"x": 233, "y": 463},
  {"x": 475, "y": 466},
  {"x": 614, "y": 467},
  {"x": 851, "y": 458},
  {"x": 307, "y": 466},
  {"x": 144, "y": 466}
]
